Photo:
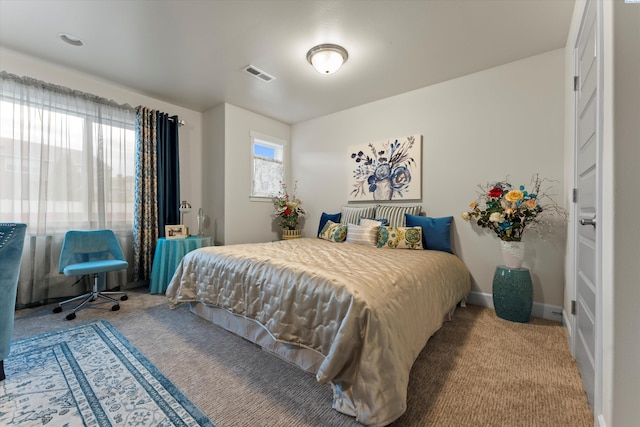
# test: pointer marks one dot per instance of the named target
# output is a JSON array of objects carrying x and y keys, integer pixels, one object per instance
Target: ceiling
[{"x": 192, "y": 52}]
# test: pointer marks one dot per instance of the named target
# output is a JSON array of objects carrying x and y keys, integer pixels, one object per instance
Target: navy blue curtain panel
[{"x": 168, "y": 172}]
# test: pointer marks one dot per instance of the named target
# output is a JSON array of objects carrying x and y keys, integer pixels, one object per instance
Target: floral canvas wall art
[{"x": 386, "y": 170}]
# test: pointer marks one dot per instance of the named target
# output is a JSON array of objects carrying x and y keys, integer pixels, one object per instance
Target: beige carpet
[{"x": 478, "y": 370}]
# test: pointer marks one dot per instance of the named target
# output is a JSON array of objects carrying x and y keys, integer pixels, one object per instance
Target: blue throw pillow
[
  {"x": 326, "y": 217},
  {"x": 436, "y": 232}
]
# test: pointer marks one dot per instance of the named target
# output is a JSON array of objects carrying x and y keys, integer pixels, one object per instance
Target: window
[
  {"x": 268, "y": 170},
  {"x": 66, "y": 160}
]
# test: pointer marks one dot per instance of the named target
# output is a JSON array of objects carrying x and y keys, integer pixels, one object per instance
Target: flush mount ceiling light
[
  {"x": 71, "y": 39},
  {"x": 327, "y": 58}
]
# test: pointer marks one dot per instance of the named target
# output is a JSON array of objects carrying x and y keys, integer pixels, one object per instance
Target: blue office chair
[
  {"x": 93, "y": 252},
  {"x": 11, "y": 245}
]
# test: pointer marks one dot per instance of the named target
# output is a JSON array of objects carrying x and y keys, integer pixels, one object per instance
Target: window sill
[{"x": 261, "y": 199}]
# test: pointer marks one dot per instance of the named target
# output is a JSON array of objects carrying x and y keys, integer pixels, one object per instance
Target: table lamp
[{"x": 184, "y": 208}]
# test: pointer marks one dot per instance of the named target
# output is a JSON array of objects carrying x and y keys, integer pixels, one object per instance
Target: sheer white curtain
[{"x": 66, "y": 162}]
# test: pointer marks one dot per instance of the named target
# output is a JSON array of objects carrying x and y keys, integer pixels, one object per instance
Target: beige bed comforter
[{"x": 368, "y": 311}]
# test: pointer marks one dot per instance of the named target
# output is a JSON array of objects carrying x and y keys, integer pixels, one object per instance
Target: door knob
[{"x": 588, "y": 221}]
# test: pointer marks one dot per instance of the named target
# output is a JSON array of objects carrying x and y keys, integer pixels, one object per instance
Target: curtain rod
[
  {"x": 29, "y": 81},
  {"x": 61, "y": 89},
  {"x": 180, "y": 122}
]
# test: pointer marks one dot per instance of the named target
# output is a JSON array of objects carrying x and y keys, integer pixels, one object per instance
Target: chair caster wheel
[
  {"x": 124, "y": 298},
  {"x": 115, "y": 307},
  {"x": 71, "y": 316},
  {"x": 57, "y": 309}
]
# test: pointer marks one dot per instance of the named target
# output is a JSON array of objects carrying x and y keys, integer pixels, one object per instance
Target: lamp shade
[
  {"x": 185, "y": 207},
  {"x": 327, "y": 58}
]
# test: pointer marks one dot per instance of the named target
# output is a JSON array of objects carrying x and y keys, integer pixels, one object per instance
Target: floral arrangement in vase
[
  {"x": 508, "y": 212},
  {"x": 384, "y": 171},
  {"x": 288, "y": 208}
]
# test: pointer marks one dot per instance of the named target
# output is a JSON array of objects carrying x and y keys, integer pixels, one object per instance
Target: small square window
[{"x": 267, "y": 165}]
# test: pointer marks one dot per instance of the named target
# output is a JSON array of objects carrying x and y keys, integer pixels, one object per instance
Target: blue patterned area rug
[{"x": 89, "y": 375}]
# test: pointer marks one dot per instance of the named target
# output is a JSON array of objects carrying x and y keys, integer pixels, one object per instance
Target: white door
[{"x": 587, "y": 145}]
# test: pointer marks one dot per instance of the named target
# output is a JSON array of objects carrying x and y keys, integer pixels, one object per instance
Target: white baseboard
[
  {"x": 600, "y": 421},
  {"x": 545, "y": 311},
  {"x": 480, "y": 298}
]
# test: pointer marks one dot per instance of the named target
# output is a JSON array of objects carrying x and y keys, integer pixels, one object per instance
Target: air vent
[{"x": 258, "y": 73}]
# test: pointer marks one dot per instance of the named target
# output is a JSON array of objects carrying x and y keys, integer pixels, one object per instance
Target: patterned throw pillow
[
  {"x": 400, "y": 237},
  {"x": 326, "y": 217},
  {"x": 396, "y": 214},
  {"x": 334, "y": 232},
  {"x": 362, "y": 235},
  {"x": 352, "y": 215}
]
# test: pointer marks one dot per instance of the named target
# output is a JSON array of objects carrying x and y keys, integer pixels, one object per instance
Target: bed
[{"x": 356, "y": 316}]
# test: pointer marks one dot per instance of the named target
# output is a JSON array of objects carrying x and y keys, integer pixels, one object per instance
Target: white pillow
[
  {"x": 366, "y": 222},
  {"x": 361, "y": 235}
]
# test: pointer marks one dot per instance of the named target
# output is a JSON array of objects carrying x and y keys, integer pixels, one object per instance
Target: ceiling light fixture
[
  {"x": 327, "y": 58},
  {"x": 71, "y": 39}
]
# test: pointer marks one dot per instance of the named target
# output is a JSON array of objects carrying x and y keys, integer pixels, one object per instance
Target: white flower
[
  {"x": 466, "y": 216},
  {"x": 496, "y": 217}
]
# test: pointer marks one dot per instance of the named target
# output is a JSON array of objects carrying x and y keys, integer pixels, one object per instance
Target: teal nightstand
[
  {"x": 512, "y": 293},
  {"x": 169, "y": 253}
]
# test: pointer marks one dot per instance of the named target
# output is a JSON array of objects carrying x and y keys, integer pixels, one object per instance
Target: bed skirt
[{"x": 304, "y": 358}]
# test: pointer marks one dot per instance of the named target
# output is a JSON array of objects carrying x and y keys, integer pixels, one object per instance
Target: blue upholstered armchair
[{"x": 11, "y": 244}]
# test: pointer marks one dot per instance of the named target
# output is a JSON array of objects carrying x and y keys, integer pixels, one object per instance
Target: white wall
[
  {"x": 213, "y": 172},
  {"x": 245, "y": 220},
  {"x": 190, "y": 134},
  {"x": 506, "y": 121}
]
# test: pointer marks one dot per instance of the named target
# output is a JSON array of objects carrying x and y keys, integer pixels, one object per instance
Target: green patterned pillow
[
  {"x": 334, "y": 232},
  {"x": 400, "y": 237}
]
